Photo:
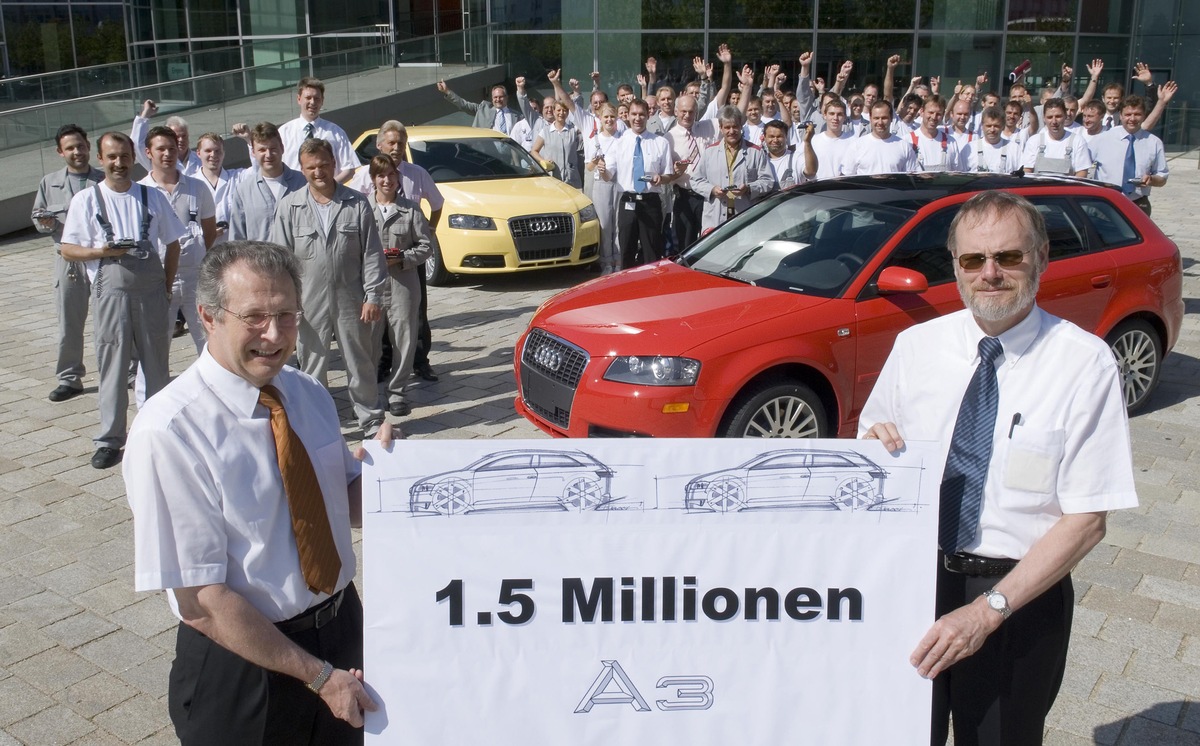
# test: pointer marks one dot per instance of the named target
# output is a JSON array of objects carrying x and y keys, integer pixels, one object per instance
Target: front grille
[
  {"x": 555, "y": 358},
  {"x": 543, "y": 237},
  {"x": 550, "y": 371}
]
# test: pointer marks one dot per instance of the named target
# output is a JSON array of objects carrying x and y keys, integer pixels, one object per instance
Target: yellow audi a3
[{"x": 503, "y": 211}]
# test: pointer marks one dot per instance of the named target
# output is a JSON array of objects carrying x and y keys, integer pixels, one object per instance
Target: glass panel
[
  {"x": 651, "y": 14},
  {"x": 1106, "y": 16},
  {"x": 1110, "y": 224},
  {"x": 263, "y": 17},
  {"x": 169, "y": 20},
  {"x": 212, "y": 18},
  {"x": 1046, "y": 55},
  {"x": 1115, "y": 55},
  {"x": 39, "y": 41},
  {"x": 925, "y": 250},
  {"x": 532, "y": 55},
  {"x": 99, "y": 38},
  {"x": 540, "y": 16},
  {"x": 867, "y": 14},
  {"x": 981, "y": 15},
  {"x": 1042, "y": 15},
  {"x": 1066, "y": 238},
  {"x": 959, "y": 57},
  {"x": 357, "y": 14},
  {"x": 869, "y": 53},
  {"x": 744, "y": 14}
]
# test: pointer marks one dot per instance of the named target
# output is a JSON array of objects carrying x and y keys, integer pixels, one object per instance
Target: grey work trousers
[
  {"x": 329, "y": 310},
  {"x": 403, "y": 316},
  {"x": 129, "y": 313},
  {"x": 72, "y": 291}
]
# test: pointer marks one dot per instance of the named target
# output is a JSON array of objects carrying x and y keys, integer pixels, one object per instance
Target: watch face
[{"x": 997, "y": 601}]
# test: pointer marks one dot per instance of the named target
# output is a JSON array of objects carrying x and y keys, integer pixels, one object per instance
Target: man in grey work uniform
[
  {"x": 332, "y": 231},
  {"x": 129, "y": 236},
  {"x": 254, "y": 199},
  {"x": 71, "y": 286}
]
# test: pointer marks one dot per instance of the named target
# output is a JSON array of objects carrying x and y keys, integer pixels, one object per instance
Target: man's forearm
[{"x": 1052, "y": 557}]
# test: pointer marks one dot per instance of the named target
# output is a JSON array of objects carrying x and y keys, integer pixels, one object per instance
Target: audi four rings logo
[
  {"x": 548, "y": 358},
  {"x": 542, "y": 226}
]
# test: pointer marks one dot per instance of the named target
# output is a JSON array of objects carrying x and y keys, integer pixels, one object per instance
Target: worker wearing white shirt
[
  {"x": 962, "y": 125},
  {"x": 640, "y": 163},
  {"x": 1055, "y": 150},
  {"x": 831, "y": 146},
  {"x": 880, "y": 152},
  {"x": 935, "y": 149},
  {"x": 688, "y": 139},
  {"x": 992, "y": 153},
  {"x": 189, "y": 162},
  {"x": 1130, "y": 157},
  {"x": 310, "y": 96},
  {"x": 1031, "y": 418},
  {"x": 789, "y": 165}
]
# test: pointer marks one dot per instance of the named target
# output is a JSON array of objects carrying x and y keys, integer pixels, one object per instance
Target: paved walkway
[{"x": 84, "y": 659}]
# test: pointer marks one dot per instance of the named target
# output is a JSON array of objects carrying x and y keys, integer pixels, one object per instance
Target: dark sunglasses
[{"x": 972, "y": 262}]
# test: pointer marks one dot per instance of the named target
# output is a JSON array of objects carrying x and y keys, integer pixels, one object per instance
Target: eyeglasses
[
  {"x": 972, "y": 262},
  {"x": 260, "y": 321}
]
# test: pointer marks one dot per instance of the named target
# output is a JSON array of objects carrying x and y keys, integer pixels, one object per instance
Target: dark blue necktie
[
  {"x": 970, "y": 453},
  {"x": 1130, "y": 172},
  {"x": 639, "y": 168}
]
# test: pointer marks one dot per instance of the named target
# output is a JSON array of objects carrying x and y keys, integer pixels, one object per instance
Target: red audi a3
[{"x": 778, "y": 323}]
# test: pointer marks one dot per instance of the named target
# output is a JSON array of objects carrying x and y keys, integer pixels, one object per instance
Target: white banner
[{"x": 648, "y": 591}]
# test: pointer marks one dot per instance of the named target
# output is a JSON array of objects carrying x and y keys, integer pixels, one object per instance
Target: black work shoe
[
  {"x": 64, "y": 392},
  {"x": 399, "y": 408},
  {"x": 425, "y": 373},
  {"x": 106, "y": 458}
]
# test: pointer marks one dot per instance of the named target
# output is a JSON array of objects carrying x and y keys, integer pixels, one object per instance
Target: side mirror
[{"x": 894, "y": 280}]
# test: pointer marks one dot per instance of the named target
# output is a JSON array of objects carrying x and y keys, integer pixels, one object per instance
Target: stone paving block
[
  {"x": 17, "y": 509},
  {"x": 1191, "y": 717},
  {"x": 118, "y": 651},
  {"x": 54, "y": 670},
  {"x": 133, "y": 719},
  {"x": 48, "y": 493},
  {"x": 1150, "y": 732},
  {"x": 45, "y": 526},
  {"x": 18, "y": 701},
  {"x": 1103, "y": 553},
  {"x": 1172, "y": 591},
  {"x": 164, "y": 737},
  {"x": 147, "y": 617},
  {"x": 7, "y": 740},
  {"x": 41, "y": 609},
  {"x": 1142, "y": 636},
  {"x": 50, "y": 436},
  {"x": 110, "y": 556},
  {"x": 82, "y": 508},
  {"x": 1179, "y": 676},
  {"x": 1150, "y": 564},
  {"x": 1115, "y": 603},
  {"x": 1136, "y": 697},
  {"x": 1080, "y": 680},
  {"x": 99, "y": 737},
  {"x": 73, "y": 579},
  {"x": 1189, "y": 652},
  {"x": 1107, "y": 575},
  {"x": 79, "y": 629},
  {"x": 1079, "y": 717},
  {"x": 1087, "y": 622},
  {"x": 95, "y": 694},
  {"x": 108, "y": 487},
  {"x": 151, "y": 675},
  {"x": 1092, "y": 651},
  {"x": 1055, "y": 737},
  {"x": 19, "y": 641},
  {"x": 16, "y": 481}
]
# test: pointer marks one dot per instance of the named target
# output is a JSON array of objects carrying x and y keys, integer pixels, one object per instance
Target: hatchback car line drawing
[
  {"x": 784, "y": 480},
  {"x": 517, "y": 481}
]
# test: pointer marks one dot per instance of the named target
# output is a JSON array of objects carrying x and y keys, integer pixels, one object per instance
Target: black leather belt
[
  {"x": 981, "y": 567},
  {"x": 640, "y": 196},
  {"x": 314, "y": 618}
]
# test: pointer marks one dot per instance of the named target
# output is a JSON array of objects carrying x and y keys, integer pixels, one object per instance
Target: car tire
[
  {"x": 583, "y": 494},
  {"x": 435, "y": 269},
  {"x": 778, "y": 410},
  {"x": 726, "y": 495},
  {"x": 1139, "y": 353},
  {"x": 857, "y": 493},
  {"x": 451, "y": 497}
]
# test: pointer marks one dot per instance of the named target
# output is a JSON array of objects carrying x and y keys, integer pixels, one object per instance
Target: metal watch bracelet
[{"x": 315, "y": 685}]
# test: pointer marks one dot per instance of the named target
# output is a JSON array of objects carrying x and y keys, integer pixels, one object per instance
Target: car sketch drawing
[
  {"x": 791, "y": 479},
  {"x": 517, "y": 481}
]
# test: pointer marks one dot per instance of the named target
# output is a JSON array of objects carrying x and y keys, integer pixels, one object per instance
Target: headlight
[
  {"x": 472, "y": 222},
  {"x": 588, "y": 214},
  {"x": 654, "y": 371}
]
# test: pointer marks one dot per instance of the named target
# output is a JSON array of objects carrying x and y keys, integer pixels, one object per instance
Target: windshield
[
  {"x": 797, "y": 242},
  {"x": 474, "y": 159}
]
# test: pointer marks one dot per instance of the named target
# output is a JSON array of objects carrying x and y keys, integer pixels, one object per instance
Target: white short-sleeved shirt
[
  {"x": 125, "y": 215},
  {"x": 1069, "y": 451},
  {"x": 292, "y": 135},
  {"x": 831, "y": 152},
  {"x": 656, "y": 159},
  {"x": 1042, "y": 143},
  {"x": 207, "y": 496},
  {"x": 1002, "y": 158},
  {"x": 191, "y": 196},
  {"x": 872, "y": 155},
  {"x": 938, "y": 153}
]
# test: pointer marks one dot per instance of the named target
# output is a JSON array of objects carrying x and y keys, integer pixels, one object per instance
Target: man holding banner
[
  {"x": 1040, "y": 451},
  {"x": 243, "y": 494}
]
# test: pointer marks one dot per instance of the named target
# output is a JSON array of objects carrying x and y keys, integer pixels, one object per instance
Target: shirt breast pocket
[
  {"x": 307, "y": 239},
  {"x": 1031, "y": 462}
]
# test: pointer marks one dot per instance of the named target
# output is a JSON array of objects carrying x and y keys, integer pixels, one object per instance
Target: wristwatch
[
  {"x": 998, "y": 601},
  {"x": 315, "y": 685}
]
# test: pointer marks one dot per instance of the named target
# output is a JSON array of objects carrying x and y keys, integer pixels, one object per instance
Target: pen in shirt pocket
[{"x": 1016, "y": 420}]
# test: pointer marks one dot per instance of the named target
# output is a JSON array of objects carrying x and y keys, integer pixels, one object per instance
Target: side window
[
  {"x": 924, "y": 248},
  {"x": 1066, "y": 236},
  {"x": 1112, "y": 227},
  {"x": 556, "y": 460},
  {"x": 508, "y": 462}
]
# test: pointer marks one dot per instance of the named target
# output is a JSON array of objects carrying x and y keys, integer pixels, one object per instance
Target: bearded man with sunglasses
[{"x": 1030, "y": 413}]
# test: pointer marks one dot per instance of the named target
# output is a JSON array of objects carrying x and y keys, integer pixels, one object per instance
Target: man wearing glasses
[
  {"x": 243, "y": 494},
  {"x": 1030, "y": 412}
]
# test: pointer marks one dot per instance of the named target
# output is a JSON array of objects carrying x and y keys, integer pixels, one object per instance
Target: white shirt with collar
[
  {"x": 292, "y": 135},
  {"x": 1109, "y": 150},
  {"x": 1069, "y": 449},
  {"x": 703, "y": 133},
  {"x": 228, "y": 521},
  {"x": 190, "y": 198},
  {"x": 656, "y": 159}
]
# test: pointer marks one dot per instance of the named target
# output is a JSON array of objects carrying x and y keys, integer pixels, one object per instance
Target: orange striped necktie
[{"x": 319, "y": 560}]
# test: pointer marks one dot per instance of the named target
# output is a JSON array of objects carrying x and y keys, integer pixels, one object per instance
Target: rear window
[{"x": 1108, "y": 221}]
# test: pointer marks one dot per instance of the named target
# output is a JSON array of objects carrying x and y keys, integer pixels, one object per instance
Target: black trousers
[
  {"x": 217, "y": 697},
  {"x": 688, "y": 211},
  {"x": 640, "y": 229},
  {"x": 1144, "y": 204},
  {"x": 1000, "y": 695},
  {"x": 424, "y": 333}
]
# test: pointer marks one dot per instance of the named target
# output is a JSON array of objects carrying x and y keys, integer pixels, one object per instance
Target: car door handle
[{"x": 1101, "y": 281}]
